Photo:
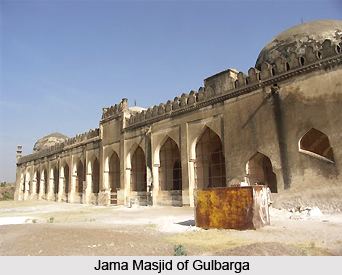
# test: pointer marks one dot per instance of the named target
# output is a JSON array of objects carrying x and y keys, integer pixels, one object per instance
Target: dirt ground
[{"x": 48, "y": 228}]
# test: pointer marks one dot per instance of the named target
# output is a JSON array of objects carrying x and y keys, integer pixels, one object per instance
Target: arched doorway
[
  {"x": 56, "y": 181},
  {"x": 316, "y": 143},
  {"x": 170, "y": 170},
  {"x": 210, "y": 162},
  {"x": 45, "y": 182},
  {"x": 79, "y": 177},
  {"x": 177, "y": 175},
  {"x": 114, "y": 172},
  {"x": 23, "y": 183},
  {"x": 260, "y": 171},
  {"x": 37, "y": 182},
  {"x": 96, "y": 176},
  {"x": 66, "y": 181},
  {"x": 138, "y": 174}
]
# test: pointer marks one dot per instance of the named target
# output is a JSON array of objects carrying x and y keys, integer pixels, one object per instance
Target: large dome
[
  {"x": 298, "y": 37},
  {"x": 49, "y": 140}
]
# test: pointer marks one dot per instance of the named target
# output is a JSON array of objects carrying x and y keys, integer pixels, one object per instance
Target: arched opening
[
  {"x": 138, "y": 176},
  {"x": 260, "y": 171},
  {"x": 114, "y": 172},
  {"x": 56, "y": 180},
  {"x": 177, "y": 175},
  {"x": 23, "y": 182},
  {"x": 66, "y": 179},
  {"x": 96, "y": 176},
  {"x": 45, "y": 181},
  {"x": 316, "y": 144},
  {"x": 170, "y": 170},
  {"x": 37, "y": 182},
  {"x": 287, "y": 66},
  {"x": 79, "y": 177},
  {"x": 210, "y": 162}
]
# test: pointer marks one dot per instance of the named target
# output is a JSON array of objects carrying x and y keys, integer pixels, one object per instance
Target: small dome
[
  {"x": 297, "y": 38},
  {"x": 48, "y": 141},
  {"x": 136, "y": 109}
]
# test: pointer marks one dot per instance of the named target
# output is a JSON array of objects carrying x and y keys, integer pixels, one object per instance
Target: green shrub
[
  {"x": 7, "y": 196},
  {"x": 179, "y": 250}
]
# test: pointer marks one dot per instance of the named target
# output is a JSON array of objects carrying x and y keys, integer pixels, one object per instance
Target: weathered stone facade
[{"x": 278, "y": 125}]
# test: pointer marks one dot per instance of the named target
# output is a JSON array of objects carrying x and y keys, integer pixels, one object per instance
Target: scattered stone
[{"x": 301, "y": 212}]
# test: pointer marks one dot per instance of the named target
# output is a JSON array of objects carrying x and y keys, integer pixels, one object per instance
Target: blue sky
[{"x": 62, "y": 61}]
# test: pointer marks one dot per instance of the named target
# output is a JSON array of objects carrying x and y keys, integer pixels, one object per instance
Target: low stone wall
[{"x": 170, "y": 198}]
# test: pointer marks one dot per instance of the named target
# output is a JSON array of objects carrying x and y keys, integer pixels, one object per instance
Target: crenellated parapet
[
  {"x": 232, "y": 83},
  {"x": 179, "y": 103},
  {"x": 55, "y": 149},
  {"x": 79, "y": 138},
  {"x": 115, "y": 110}
]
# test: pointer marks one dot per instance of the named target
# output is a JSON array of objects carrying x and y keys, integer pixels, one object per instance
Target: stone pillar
[
  {"x": 33, "y": 190},
  {"x": 21, "y": 189},
  {"x": 42, "y": 187},
  {"x": 155, "y": 173},
  {"x": 27, "y": 187},
  {"x": 104, "y": 194},
  {"x": 187, "y": 167},
  {"x": 127, "y": 188},
  {"x": 88, "y": 189},
  {"x": 61, "y": 184},
  {"x": 105, "y": 180},
  {"x": 50, "y": 194},
  {"x": 72, "y": 198},
  {"x": 155, "y": 141}
]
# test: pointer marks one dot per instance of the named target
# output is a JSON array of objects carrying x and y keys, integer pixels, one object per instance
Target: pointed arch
[
  {"x": 67, "y": 185},
  {"x": 170, "y": 170},
  {"x": 80, "y": 176},
  {"x": 138, "y": 172},
  {"x": 37, "y": 175},
  {"x": 210, "y": 161},
  {"x": 95, "y": 174},
  {"x": 56, "y": 179},
  {"x": 44, "y": 176},
  {"x": 193, "y": 143},
  {"x": 114, "y": 171},
  {"x": 315, "y": 143},
  {"x": 259, "y": 170}
]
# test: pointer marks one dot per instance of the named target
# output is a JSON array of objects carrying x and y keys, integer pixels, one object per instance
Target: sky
[{"x": 61, "y": 62}]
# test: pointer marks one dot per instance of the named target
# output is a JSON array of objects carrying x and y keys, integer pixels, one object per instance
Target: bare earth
[{"x": 48, "y": 228}]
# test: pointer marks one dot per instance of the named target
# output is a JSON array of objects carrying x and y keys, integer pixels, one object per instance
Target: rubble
[{"x": 301, "y": 212}]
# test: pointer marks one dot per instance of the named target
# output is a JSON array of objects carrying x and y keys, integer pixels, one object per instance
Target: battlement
[
  {"x": 70, "y": 142},
  {"x": 115, "y": 110},
  {"x": 230, "y": 82}
]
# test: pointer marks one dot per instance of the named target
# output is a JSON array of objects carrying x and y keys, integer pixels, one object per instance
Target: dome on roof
[
  {"x": 48, "y": 141},
  {"x": 136, "y": 109},
  {"x": 297, "y": 38}
]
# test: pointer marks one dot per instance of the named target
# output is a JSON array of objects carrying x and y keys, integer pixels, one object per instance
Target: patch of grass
[
  {"x": 51, "y": 220},
  {"x": 179, "y": 250},
  {"x": 310, "y": 249},
  {"x": 209, "y": 240},
  {"x": 34, "y": 221},
  {"x": 7, "y": 196},
  {"x": 151, "y": 225}
]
